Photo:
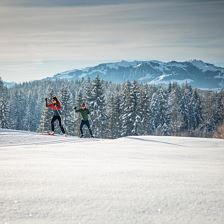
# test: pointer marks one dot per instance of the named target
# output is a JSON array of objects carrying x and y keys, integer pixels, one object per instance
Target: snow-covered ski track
[{"x": 22, "y": 138}]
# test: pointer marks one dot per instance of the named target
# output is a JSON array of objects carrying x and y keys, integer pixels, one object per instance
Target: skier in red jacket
[{"x": 55, "y": 105}]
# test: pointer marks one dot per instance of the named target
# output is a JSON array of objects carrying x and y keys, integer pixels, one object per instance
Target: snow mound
[{"x": 136, "y": 179}]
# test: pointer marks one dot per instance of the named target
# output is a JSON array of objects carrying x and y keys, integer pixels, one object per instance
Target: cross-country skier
[
  {"x": 84, "y": 111},
  {"x": 55, "y": 105}
]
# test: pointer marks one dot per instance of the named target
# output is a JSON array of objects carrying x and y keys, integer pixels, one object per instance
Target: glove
[{"x": 75, "y": 108}]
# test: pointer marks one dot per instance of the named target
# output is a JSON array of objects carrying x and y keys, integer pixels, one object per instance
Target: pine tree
[
  {"x": 186, "y": 110},
  {"x": 144, "y": 111},
  {"x": 88, "y": 87},
  {"x": 67, "y": 112},
  {"x": 176, "y": 118},
  {"x": 209, "y": 105},
  {"x": 135, "y": 108},
  {"x": 159, "y": 113},
  {"x": 77, "y": 116},
  {"x": 4, "y": 106},
  {"x": 196, "y": 110},
  {"x": 97, "y": 108},
  {"x": 31, "y": 120},
  {"x": 114, "y": 120},
  {"x": 126, "y": 121},
  {"x": 220, "y": 107},
  {"x": 190, "y": 109},
  {"x": 18, "y": 109}
]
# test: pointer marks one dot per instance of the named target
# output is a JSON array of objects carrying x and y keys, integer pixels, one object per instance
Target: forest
[{"x": 116, "y": 110}]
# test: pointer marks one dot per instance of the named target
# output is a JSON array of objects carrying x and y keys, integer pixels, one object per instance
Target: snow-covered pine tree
[
  {"x": 196, "y": 110},
  {"x": 4, "y": 106},
  {"x": 31, "y": 120},
  {"x": 144, "y": 111},
  {"x": 220, "y": 129},
  {"x": 97, "y": 108},
  {"x": 1, "y": 85},
  {"x": 209, "y": 105},
  {"x": 176, "y": 118},
  {"x": 186, "y": 110},
  {"x": 114, "y": 113},
  {"x": 111, "y": 117},
  {"x": 220, "y": 103},
  {"x": 190, "y": 106},
  {"x": 135, "y": 108},
  {"x": 214, "y": 113},
  {"x": 18, "y": 109},
  {"x": 77, "y": 117},
  {"x": 126, "y": 121},
  {"x": 67, "y": 110},
  {"x": 159, "y": 113},
  {"x": 88, "y": 98},
  {"x": 219, "y": 133},
  {"x": 88, "y": 95}
]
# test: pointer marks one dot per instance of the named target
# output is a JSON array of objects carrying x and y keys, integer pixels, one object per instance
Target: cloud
[
  {"x": 70, "y": 3},
  {"x": 73, "y": 3},
  {"x": 162, "y": 29}
]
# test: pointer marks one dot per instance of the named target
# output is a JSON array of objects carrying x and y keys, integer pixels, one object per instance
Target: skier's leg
[
  {"x": 81, "y": 126},
  {"x": 60, "y": 124},
  {"x": 88, "y": 126},
  {"x": 52, "y": 123}
]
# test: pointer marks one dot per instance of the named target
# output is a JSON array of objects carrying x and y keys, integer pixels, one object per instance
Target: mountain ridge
[{"x": 196, "y": 72}]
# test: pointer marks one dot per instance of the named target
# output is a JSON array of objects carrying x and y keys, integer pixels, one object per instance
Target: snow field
[{"x": 142, "y": 179}]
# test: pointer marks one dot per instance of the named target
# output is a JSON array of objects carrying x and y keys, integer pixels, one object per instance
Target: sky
[{"x": 45, "y": 37}]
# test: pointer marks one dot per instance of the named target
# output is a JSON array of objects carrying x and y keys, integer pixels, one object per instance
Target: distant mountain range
[{"x": 196, "y": 72}]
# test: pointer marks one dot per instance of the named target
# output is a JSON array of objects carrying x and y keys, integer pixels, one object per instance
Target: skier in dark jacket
[
  {"x": 84, "y": 111},
  {"x": 55, "y": 105}
]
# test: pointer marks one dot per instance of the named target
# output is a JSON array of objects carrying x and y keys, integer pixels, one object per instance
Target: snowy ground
[{"x": 133, "y": 180}]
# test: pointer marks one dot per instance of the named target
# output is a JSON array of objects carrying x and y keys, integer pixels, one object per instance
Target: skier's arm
[
  {"x": 46, "y": 102},
  {"x": 51, "y": 105},
  {"x": 88, "y": 111},
  {"x": 75, "y": 108}
]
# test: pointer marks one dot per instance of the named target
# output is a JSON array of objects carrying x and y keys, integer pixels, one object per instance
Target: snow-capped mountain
[{"x": 196, "y": 72}]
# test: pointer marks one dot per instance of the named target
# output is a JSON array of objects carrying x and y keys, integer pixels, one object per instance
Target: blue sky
[{"x": 44, "y": 37}]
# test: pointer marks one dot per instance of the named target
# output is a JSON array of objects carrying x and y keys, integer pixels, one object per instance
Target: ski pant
[
  {"x": 60, "y": 124},
  {"x": 85, "y": 122}
]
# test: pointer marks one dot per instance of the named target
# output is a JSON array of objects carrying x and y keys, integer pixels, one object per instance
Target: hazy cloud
[
  {"x": 70, "y": 3},
  {"x": 63, "y": 38},
  {"x": 59, "y": 3}
]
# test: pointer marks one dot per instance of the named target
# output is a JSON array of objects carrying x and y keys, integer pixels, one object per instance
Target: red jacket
[{"x": 55, "y": 107}]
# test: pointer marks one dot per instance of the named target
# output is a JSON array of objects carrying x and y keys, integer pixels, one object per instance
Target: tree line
[{"x": 116, "y": 110}]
